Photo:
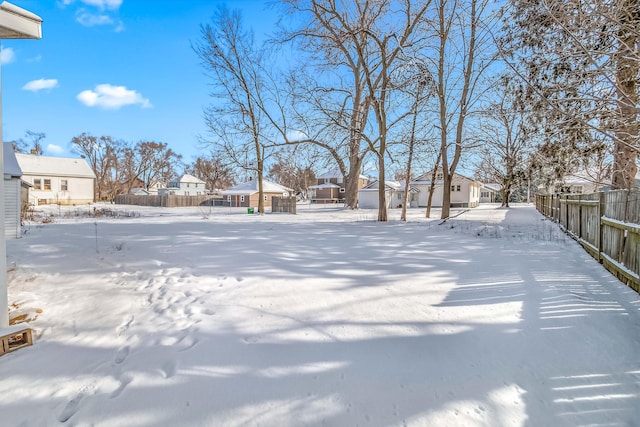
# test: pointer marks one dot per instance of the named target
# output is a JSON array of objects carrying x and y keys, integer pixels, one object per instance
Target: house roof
[
  {"x": 251, "y": 187},
  {"x": 492, "y": 186},
  {"x": 335, "y": 173},
  {"x": 390, "y": 185},
  {"x": 323, "y": 186},
  {"x": 191, "y": 179},
  {"x": 54, "y": 166},
  {"x": 425, "y": 179},
  {"x": 10, "y": 164}
]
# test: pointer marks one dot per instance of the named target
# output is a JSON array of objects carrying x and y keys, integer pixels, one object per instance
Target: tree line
[
  {"x": 120, "y": 166},
  {"x": 519, "y": 91}
]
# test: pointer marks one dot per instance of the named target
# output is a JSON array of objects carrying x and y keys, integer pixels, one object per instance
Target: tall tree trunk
[
  {"x": 407, "y": 179},
  {"x": 432, "y": 186},
  {"x": 626, "y": 146}
]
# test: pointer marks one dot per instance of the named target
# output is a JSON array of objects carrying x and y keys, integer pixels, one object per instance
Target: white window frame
[{"x": 241, "y": 199}]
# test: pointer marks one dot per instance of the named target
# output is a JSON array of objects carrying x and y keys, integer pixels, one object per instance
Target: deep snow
[{"x": 198, "y": 317}]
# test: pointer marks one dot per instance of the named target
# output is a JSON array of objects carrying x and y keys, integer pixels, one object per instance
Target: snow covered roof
[
  {"x": 10, "y": 164},
  {"x": 251, "y": 187},
  {"x": 335, "y": 173},
  {"x": 323, "y": 186},
  {"x": 492, "y": 186},
  {"x": 54, "y": 166},
  {"x": 390, "y": 185},
  {"x": 426, "y": 178},
  {"x": 191, "y": 179}
]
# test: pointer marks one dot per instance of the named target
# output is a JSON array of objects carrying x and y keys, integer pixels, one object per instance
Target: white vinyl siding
[{"x": 11, "y": 208}]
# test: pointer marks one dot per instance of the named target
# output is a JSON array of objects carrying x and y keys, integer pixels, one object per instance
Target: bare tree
[
  {"x": 365, "y": 38},
  {"x": 31, "y": 143},
  {"x": 504, "y": 142},
  {"x": 150, "y": 161},
  {"x": 464, "y": 53},
  {"x": 99, "y": 153},
  {"x": 213, "y": 170},
  {"x": 239, "y": 116}
]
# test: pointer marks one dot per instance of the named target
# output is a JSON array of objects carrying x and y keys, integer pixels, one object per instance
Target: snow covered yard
[{"x": 188, "y": 317}]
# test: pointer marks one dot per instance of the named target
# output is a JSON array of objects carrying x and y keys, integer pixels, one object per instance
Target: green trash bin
[{"x": 249, "y": 210}]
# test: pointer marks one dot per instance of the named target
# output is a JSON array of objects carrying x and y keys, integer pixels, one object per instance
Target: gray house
[
  {"x": 188, "y": 185},
  {"x": 12, "y": 185}
]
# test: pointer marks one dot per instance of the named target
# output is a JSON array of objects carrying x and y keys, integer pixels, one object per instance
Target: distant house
[
  {"x": 331, "y": 187},
  {"x": 489, "y": 192},
  {"x": 394, "y": 195},
  {"x": 465, "y": 192},
  {"x": 12, "y": 187},
  {"x": 188, "y": 185},
  {"x": 57, "y": 180},
  {"x": 247, "y": 195}
]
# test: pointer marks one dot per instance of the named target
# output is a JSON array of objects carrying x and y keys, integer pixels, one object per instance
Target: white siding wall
[
  {"x": 12, "y": 208},
  {"x": 79, "y": 190}
]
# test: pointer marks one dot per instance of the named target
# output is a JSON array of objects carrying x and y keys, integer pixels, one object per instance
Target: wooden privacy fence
[
  {"x": 283, "y": 204},
  {"x": 606, "y": 224},
  {"x": 168, "y": 201}
]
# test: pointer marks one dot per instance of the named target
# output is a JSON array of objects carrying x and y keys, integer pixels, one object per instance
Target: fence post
[{"x": 601, "y": 207}]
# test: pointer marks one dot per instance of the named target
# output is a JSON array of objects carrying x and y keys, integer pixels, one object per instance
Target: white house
[
  {"x": 57, "y": 180},
  {"x": 188, "y": 185},
  {"x": 489, "y": 192},
  {"x": 465, "y": 192},
  {"x": 11, "y": 182},
  {"x": 394, "y": 195}
]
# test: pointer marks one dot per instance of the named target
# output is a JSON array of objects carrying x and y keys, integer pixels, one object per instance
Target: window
[
  {"x": 229, "y": 199},
  {"x": 453, "y": 188},
  {"x": 47, "y": 184},
  {"x": 37, "y": 184},
  {"x": 342, "y": 189},
  {"x": 265, "y": 198},
  {"x": 241, "y": 199},
  {"x": 439, "y": 176},
  {"x": 485, "y": 194},
  {"x": 64, "y": 185},
  {"x": 457, "y": 188}
]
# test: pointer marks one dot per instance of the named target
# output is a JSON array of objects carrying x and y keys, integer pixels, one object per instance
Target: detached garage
[{"x": 11, "y": 182}]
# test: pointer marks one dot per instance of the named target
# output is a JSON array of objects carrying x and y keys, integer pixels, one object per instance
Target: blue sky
[{"x": 122, "y": 68}]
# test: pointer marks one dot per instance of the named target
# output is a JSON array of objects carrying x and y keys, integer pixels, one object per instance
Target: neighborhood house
[
  {"x": 246, "y": 194},
  {"x": 188, "y": 185},
  {"x": 465, "y": 192},
  {"x": 331, "y": 187},
  {"x": 58, "y": 180},
  {"x": 394, "y": 195}
]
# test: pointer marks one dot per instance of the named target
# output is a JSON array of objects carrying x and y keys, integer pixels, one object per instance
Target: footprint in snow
[
  {"x": 169, "y": 368},
  {"x": 127, "y": 321},
  {"x": 125, "y": 380},
  {"x": 70, "y": 409},
  {"x": 121, "y": 355}
]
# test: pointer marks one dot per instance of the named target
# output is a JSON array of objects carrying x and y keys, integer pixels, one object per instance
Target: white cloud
[
  {"x": 101, "y": 4},
  {"x": 90, "y": 19},
  {"x": 55, "y": 149},
  {"x": 112, "y": 97},
  {"x": 7, "y": 55},
  {"x": 40, "y": 84},
  {"x": 104, "y": 4}
]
